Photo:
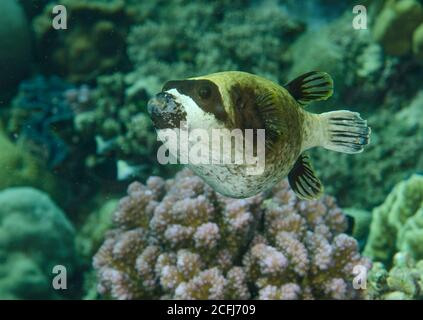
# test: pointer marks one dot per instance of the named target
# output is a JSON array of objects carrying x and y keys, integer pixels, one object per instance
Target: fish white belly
[{"x": 232, "y": 180}]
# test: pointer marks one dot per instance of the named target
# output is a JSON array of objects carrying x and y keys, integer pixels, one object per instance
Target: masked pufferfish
[{"x": 241, "y": 100}]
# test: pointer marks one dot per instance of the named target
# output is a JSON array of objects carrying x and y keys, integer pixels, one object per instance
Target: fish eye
[{"x": 204, "y": 92}]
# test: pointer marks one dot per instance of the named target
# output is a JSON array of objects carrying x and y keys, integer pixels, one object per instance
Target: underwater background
[{"x": 80, "y": 185}]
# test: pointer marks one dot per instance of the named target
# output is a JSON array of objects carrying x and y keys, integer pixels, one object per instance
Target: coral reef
[
  {"x": 404, "y": 281},
  {"x": 118, "y": 122},
  {"x": 35, "y": 236},
  {"x": 39, "y": 114},
  {"x": 385, "y": 89},
  {"x": 93, "y": 46},
  {"x": 360, "y": 71},
  {"x": 208, "y": 37},
  {"x": 316, "y": 12},
  {"x": 77, "y": 132},
  {"x": 89, "y": 237},
  {"x": 361, "y": 224},
  {"x": 19, "y": 168},
  {"x": 86, "y": 132},
  {"x": 91, "y": 233},
  {"x": 42, "y": 121},
  {"x": 179, "y": 239},
  {"x": 33, "y": 7},
  {"x": 397, "y": 224},
  {"x": 15, "y": 52},
  {"x": 395, "y": 25},
  {"x": 394, "y": 154}
]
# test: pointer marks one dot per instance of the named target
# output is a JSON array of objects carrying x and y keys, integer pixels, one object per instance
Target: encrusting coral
[
  {"x": 179, "y": 239},
  {"x": 397, "y": 224},
  {"x": 404, "y": 281}
]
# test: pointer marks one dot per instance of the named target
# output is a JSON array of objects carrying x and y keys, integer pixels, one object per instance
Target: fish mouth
[{"x": 165, "y": 111}]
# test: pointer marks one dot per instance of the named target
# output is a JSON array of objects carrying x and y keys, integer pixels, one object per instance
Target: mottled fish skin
[
  {"x": 232, "y": 180},
  {"x": 239, "y": 93}
]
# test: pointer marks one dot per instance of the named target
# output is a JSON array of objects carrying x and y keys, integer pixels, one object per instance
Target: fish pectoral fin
[
  {"x": 311, "y": 86},
  {"x": 272, "y": 116},
  {"x": 303, "y": 180}
]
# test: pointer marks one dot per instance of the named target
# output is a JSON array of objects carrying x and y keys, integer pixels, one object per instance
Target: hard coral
[
  {"x": 404, "y": 281},
  {"x": 93, "y": 46},
  {"x": 117, "y": 120},
  {"x": 396, "y": 24},
  {"x": 397, "y": 224},
  {"x": 20, "y": 168},
  {"x": 179, "y": 239},
  {"x": 38, "y": 113},
  {"x": 181, "y": 39},
  {"x": 35, "y": 236},
  {"x": 351, "y": 57}
]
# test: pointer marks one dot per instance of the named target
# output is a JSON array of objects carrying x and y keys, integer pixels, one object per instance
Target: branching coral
[
  {"x": 304, "y": 253},
  {"x": 397, "y": 224},
  {"x": 181, "y": 39},
  {"x": 116, "y": 119},
  {"x": 180, "y": 239}
]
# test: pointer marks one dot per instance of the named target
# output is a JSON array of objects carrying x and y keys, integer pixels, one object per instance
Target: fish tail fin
[{"x": 345, "y": 131}]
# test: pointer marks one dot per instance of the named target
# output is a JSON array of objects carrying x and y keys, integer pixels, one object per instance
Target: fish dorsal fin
[
  {"x": 311, "y": 86},
  {"x": 303, "y": 180}
]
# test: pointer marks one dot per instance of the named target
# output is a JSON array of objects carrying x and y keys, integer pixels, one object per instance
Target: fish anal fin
[
  {"x": 303, "y": 180},
  {"x": 311, "y": 86}
]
